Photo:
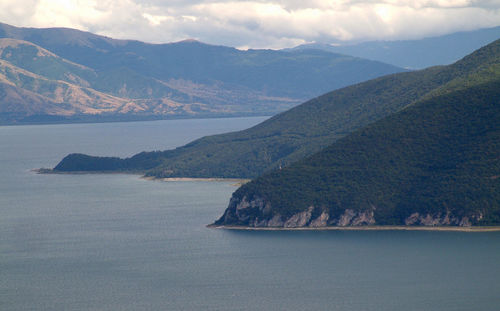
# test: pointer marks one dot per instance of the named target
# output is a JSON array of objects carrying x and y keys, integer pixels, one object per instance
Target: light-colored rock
[
  {"x": 353, "y": 218},
  {"x": 300, "y": 219},
  {"x": 364, "y": 218},
  {"x": 345, "y": 219},
  {"x": 441, "y": 220},
  {"x": 321, "y": 221},
  {"x": 412, "y": 219},
  {"x": 258, "y": 213},
  {"x": 276, "y": 221},
  {"x": 429, "y": 220}
]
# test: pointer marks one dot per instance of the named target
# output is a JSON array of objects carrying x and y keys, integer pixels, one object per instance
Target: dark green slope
[
  {"x": 436, "y": 162},
  {"x": 305, "y": 129}
]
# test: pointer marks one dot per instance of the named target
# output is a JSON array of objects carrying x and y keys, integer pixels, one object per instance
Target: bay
[{"x": 119, "y": 242}]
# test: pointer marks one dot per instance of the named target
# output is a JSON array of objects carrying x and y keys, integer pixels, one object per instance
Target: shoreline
[
  {"x": 364, "y": 228},
  {"x": 236, "y": 181}
]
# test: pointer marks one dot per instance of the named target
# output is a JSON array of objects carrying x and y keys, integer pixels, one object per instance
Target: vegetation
[
  {"x": 438, "y": 156},
  {"x": 307, "y": 128}
]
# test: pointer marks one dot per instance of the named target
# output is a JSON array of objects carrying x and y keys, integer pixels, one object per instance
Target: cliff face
[{"x": 259, "y": 213}]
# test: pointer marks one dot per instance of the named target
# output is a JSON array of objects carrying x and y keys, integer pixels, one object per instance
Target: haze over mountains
[
  {"x": 416, "y": 54},
  {"x": 65, "y": 74}
]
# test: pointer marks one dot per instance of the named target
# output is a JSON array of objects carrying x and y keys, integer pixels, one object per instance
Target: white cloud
[{"x": 256, "y": 23}]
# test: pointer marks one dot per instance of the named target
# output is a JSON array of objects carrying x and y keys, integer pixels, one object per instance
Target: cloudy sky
[{"x": 256, "y": 23}]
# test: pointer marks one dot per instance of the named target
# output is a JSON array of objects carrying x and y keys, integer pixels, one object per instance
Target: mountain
[
  {"x": 435, "y": 162},
  {"x": 37, "y": 85},
  {"x": 301, "y": 131},
  {"x": 46, "y": 83},
  {"x": 416, "y": 54},
  {"x": 183, "y": 79}
]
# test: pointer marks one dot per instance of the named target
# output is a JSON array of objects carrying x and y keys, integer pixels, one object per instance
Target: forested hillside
[{"x": 437, "y": 162}]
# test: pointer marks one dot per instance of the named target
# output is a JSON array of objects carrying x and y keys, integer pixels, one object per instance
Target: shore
[
  {"x": 235, "y": 181},
  {"x": 238, "y": 181},
  {"x": 364, "y": 228},
  {"x": 195, "y": 179}
]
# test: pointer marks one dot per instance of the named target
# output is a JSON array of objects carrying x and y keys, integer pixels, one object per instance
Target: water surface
[{"x": 118, "y": 242}]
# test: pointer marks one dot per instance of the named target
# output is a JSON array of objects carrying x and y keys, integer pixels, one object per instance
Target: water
[{"x": 118, "y": 242}]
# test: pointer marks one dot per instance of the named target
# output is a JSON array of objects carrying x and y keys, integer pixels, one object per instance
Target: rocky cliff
[{"x": 258, "y": 213}]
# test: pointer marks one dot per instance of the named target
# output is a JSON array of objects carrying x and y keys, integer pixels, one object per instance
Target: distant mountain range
[
  {"x": 60, "y": 74},
  {"x": 416, "y": 54}
]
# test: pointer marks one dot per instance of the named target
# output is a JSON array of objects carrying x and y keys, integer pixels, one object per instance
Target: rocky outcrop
[
  {"x": 299, "y": 219},
  {"x": 353, "y": 218},
  {"x": 446, "y": 219},
  {"x": 257, "y": 212},
  {"x": 321, "y": 221}
]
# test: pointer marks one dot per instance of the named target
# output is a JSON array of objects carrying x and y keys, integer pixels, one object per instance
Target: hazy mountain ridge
[
  {"x": 299, "y": 132},
  {"x": 186, "y": 78},
  {"x": 416, "y": 54}
]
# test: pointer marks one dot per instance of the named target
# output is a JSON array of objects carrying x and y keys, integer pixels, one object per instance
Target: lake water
[{"x": 119, "y": 242}]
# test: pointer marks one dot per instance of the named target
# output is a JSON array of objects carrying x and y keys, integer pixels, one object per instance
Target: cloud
[{"x": 256, "y": 23}]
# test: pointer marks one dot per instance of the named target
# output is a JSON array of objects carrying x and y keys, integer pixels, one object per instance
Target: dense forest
[{"x": 438, "y": 157}]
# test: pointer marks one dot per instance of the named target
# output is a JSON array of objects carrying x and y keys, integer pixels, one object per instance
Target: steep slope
[
  {"x": 223, "y": 78},
  {"x": 55, "y": 97},
  {"x": 417, "y": 54},
  {"x": 37, "y": 60},
  {"x": 16, "y": 103},
  {"x": 436, "y": 162},
  {"x": 39, "y": 86},
  {"x": 303, "y": 130}
]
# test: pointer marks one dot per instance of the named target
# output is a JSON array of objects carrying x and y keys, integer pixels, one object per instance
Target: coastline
[
  {"x": 364, "y": 228},
  {"x": 194, "y": 179},
  {"x": 235, "y": 181}
]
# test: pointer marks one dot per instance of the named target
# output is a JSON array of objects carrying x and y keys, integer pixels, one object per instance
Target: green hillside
[
  {"x": 436, "y": 162},
  {"x": 303, "y": 130}
]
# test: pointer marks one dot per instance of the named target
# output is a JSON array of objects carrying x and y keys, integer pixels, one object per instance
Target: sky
[{"x": 256, "y": 23}]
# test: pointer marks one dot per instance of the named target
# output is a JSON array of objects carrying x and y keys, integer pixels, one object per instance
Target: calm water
[{"x": 118, "y": 242}]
